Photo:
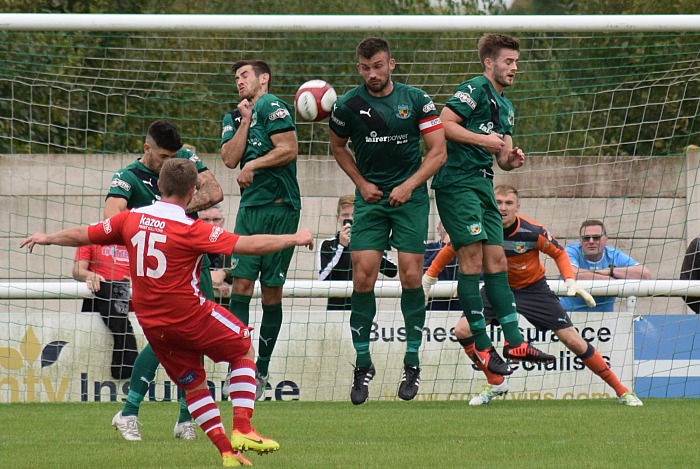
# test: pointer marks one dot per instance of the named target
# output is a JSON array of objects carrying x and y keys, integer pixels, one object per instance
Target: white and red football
[{"x": 314, "y": 100}]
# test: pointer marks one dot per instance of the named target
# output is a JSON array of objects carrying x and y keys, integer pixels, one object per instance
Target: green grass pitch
[{"x": 378, "y": 434}]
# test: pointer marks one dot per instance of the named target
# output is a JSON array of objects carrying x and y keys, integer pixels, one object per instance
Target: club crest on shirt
[
  {"x": 475, "y": 229},
  {"x": 511, "y": 117},
  {"x": 403, "y": 111},
  {"x": 234, "y": 262},
  {"x": 519, "y": 247}
]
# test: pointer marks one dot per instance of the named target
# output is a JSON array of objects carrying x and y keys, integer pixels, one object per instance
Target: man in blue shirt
[{"x": 593, "y": 259}]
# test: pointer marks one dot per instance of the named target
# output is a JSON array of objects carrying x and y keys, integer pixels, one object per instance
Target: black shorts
[{"x": 536, "y": 303}]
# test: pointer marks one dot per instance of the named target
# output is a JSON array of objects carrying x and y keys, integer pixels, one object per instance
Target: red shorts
[{"x": 219, "y": 335}]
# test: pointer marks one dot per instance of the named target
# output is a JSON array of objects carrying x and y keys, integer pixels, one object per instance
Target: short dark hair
[
  {"x": 165, "y": 135},
  {"x": 370, "y": 46},
  {"x": 259, "y": 67},
  {"x": 591, "y": 222},
  {"x": 177, "y": 177},
  {"x": 490, "y": 45}
]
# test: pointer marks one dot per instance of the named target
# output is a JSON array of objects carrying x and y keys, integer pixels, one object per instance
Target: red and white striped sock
[
  {"x": 242, "y": 387},
  {"x": 206, "y": 413}
]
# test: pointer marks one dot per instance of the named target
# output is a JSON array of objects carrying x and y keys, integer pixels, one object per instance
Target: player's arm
[
  {"x": 343, "y": 156},
  {"x": 509, "y": 157},
  {"x": 266, "y": 244},
  {"x": 113, "y": 205},
  {"x": 82, "y": 273},
  {"x": 430, "y": 277},
  {"x": 208, "y": 194},
  {"x": 232, "y": 150},
  {"x": 550, "y": 246},
  {"x": 433, "y": 160},
  {"x": 327, "y": 259},
  {"x": 284, "y": 151},
  {"x": 76, "y": 236},
  {"x": 690, "y": 269}
]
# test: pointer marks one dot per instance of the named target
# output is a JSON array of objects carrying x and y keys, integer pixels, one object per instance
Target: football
[{"x": 314, "y": 100}]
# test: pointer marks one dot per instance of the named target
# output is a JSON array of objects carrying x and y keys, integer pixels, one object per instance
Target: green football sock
[
  {"x": 239, "y": 305},
  {"x": 269, "y": 331},
  {"x": 184, "y": 411},
  {"x": 142, "y": 375},
  {"x": 413, "y": 309},
  {"x": 501, "y": 298},
  {"x": 469, "y": 296},
  {"x": 364, "y": 308}
]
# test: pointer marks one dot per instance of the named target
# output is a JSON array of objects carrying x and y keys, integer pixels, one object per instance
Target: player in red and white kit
[{"x": 166, "y": 249}]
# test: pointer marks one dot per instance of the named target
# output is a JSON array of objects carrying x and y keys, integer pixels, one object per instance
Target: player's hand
[
  {"x": 493, "y": 142},
  {"x": 516, "y": 157},
  {"x": 304, "y": 237},
  {"x": 344, "y": 236},
  {"x": 93, "y": 282},
  {"x": 399, "y": 195},
  {"x": 37, "y": 238},
  {"x": 370, "y": 193},
  {"x": 246, "y": 109},
  {"x": 245, "y": 177},
  {"x": 428, "y": 283},
  {"x": 572, "y": 289}
]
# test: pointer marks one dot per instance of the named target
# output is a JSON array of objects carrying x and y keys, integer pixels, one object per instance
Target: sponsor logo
[
  {"x": 486, "y": 128},
  {"x": 227, "y": 128},
  {"x": 107, "y": 226},
  {"x": 471, "y": 88},
  {"x": 465, "y": 98},
  {"x": 147, "y": 182},
  {"x": 121, "y": 184},
  {"x": 356, "y": 330},
  {"x": 278, "y": 114},
  {"x": 475, "y": 229},
  {"x": 151, "y": 222},
  {"x": 275, "y": 103},
  {"x": 337, "y": 121},
  {"x": 429, "y": 107},
  {"x": 403, "y": 111},
  {"x": 374, "y": 138},
  {"x": 187, "y": 379},
  {"x": 266, "y": 341},
  {"x": 215, "y": 233},
  {"x": 366, "y": 113},
  {"x": 194, "y": 158}
]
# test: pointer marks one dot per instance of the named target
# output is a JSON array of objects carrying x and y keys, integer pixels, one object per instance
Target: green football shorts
[
  {"x": 469, "y": 212},
  {"x": 379, "y": 226},
  {"x": 267, "y": 219}
]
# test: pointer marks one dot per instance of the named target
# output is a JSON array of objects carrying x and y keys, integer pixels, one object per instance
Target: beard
[{"x": 377, "y": 87}]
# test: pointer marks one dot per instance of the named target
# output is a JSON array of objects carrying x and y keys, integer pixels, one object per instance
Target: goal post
[{"x": 606, "y": 112}]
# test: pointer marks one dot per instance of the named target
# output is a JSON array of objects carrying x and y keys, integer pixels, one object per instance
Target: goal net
[{"x": 607, "y": 120}]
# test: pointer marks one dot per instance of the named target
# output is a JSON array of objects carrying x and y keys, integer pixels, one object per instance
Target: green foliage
[{"x": 378, "y": 434}]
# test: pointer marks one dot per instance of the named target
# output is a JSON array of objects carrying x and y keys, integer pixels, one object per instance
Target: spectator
[
  {"x": 105, "y": 270},
  {"x": 333, "y": 259},
  {"x": 449, "y": 273},
  {"x": 690, "y": 270},
  {"x": 593, "y": 259}
]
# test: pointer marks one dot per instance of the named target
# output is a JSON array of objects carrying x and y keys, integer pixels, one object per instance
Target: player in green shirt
[
  {"x": 479, "y": 122},
  {"x": 136, "y": 186},
  {"x": 385, "y": 121},
  {"x": 260, "y": 137}
]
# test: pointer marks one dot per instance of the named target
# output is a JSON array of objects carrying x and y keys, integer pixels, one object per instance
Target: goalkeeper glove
[
  {"x": 574, "y": 290},
  {"x": 428, "y": 283}
]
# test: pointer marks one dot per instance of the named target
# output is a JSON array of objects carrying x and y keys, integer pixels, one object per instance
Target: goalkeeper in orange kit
[{"x": 524, "y": 239}]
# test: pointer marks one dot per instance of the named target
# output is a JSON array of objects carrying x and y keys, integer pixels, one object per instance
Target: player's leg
[
  {"x": 541, "y": 307},
  {"x": 595, "y": 362},
  {"x": 274, "y": 219},
  {"x": 369, "y": 238},
  {"x": 363, "y": 310},
  {"x": 244, "y": 269},
  {"x": 409, "y": 229}
]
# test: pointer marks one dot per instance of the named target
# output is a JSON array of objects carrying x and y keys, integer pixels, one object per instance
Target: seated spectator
[
  {"x": 333, "y": 259},
  {"x": 593, "y": 259},
  {"x": 690, "y": 270},
  {"x": 105, "y": 270}
]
